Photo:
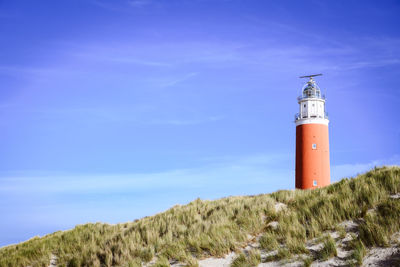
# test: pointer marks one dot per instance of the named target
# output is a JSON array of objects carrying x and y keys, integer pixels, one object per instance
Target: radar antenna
[{"x": 310, "y": 76}]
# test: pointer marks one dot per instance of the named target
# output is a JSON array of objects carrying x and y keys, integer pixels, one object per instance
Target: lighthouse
[{"x": 312, "y": 138}]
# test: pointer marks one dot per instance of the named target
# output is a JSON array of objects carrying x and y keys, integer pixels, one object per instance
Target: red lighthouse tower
[{"x": 312, "y": 138}]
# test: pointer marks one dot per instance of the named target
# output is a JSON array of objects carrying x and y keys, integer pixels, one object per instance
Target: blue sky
[{"x": 115, "y": 110}]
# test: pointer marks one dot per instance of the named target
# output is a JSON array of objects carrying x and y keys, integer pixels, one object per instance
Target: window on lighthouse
[
  {"x": 314, "y": 182},
  {"x": 314, "y": 146}
]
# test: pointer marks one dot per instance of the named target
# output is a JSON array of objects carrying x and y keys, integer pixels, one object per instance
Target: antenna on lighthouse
[{"x": 311, "y": 76}]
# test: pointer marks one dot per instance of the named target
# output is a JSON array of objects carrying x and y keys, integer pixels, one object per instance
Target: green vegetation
[
  {"x": 281, "y": 254},
  {"x": 268, "y": 242},
  {"x": 307, "y": 262},
  {"x": 328, "y": 250},
  {"x": 250, "y": 260},
  {"x": 215, "y": 228},
  {"x": 359, "y": 251},
  {"x": 376, "y": 229},
  {"x": 162, "y": 262},
  {"x": 134, "y": 263},
  {"x": 342, "y": 232}
]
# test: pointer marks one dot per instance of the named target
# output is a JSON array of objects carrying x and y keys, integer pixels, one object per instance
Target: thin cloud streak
[
  {"x": 138, "y": 114},
  {"x": 350, "y": 170},
  {"x": 180, "y": 80},
  {"x": 264, "y": 53},
  {"x": 139, "y": 3},
  {"x": 255, "y": 169},
  {"x": 79, "y": 56}
]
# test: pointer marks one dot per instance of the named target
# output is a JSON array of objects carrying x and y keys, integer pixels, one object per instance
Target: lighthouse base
[{"x": 312, "y": 156}]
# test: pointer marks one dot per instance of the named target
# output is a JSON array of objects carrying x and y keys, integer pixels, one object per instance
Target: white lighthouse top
[
  {"x": 311, "y": 90},
  {"x": 311, "y": 104}
]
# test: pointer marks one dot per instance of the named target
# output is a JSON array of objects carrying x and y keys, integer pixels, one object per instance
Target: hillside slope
[{"x": 363, "y": 212}]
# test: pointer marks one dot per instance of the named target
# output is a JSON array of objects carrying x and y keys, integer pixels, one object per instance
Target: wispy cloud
[
  {"x": 121, "y": 6},
  {"x": 139, "y": 3},
  {"x": 249, "y": 170},
  {"x": 371, "y": 64},
  {"x": 180, "y": 80},
  {"x": 123, "y": 56},
  {"x": 33, "y": 70},
  {"x": 348, "y": 170},
  {"x": 272, "y": 171},
  {"x": 5, "y": 105},
  {"x": 140, "y": 114},
  {"x": 168, "y": 59}
]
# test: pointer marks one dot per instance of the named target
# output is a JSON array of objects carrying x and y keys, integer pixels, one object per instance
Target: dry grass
[
  {"x": 359, "y": 251},
  {"x": 252, "y": 258},
  {"x": 268, "y": 242},
  {"x": 328, "y": 250},
  {"x": 215, "y": 228}
]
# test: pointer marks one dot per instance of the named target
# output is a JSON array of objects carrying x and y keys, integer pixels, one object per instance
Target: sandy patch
[
  {"x": 273, "y": 224},
  {"x": 382, "y": 257},
  {"x": 395, "y": 196},
  {"x": 280, "y": 206},
  {"x": 218, "y": 262},
  {"x": 53, "y": 261}
]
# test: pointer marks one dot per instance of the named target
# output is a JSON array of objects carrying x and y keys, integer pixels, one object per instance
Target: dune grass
[
  {"x": 252, "y": 258},
  {"x": 214, "y": 228},
  {"x": 359, "y": 252},
  {"x": 328, "y": 250},
  {"x": 268, "y": 242}
]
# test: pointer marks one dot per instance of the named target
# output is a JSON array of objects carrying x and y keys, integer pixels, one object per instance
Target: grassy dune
[{"x": 215, "y": 228}]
